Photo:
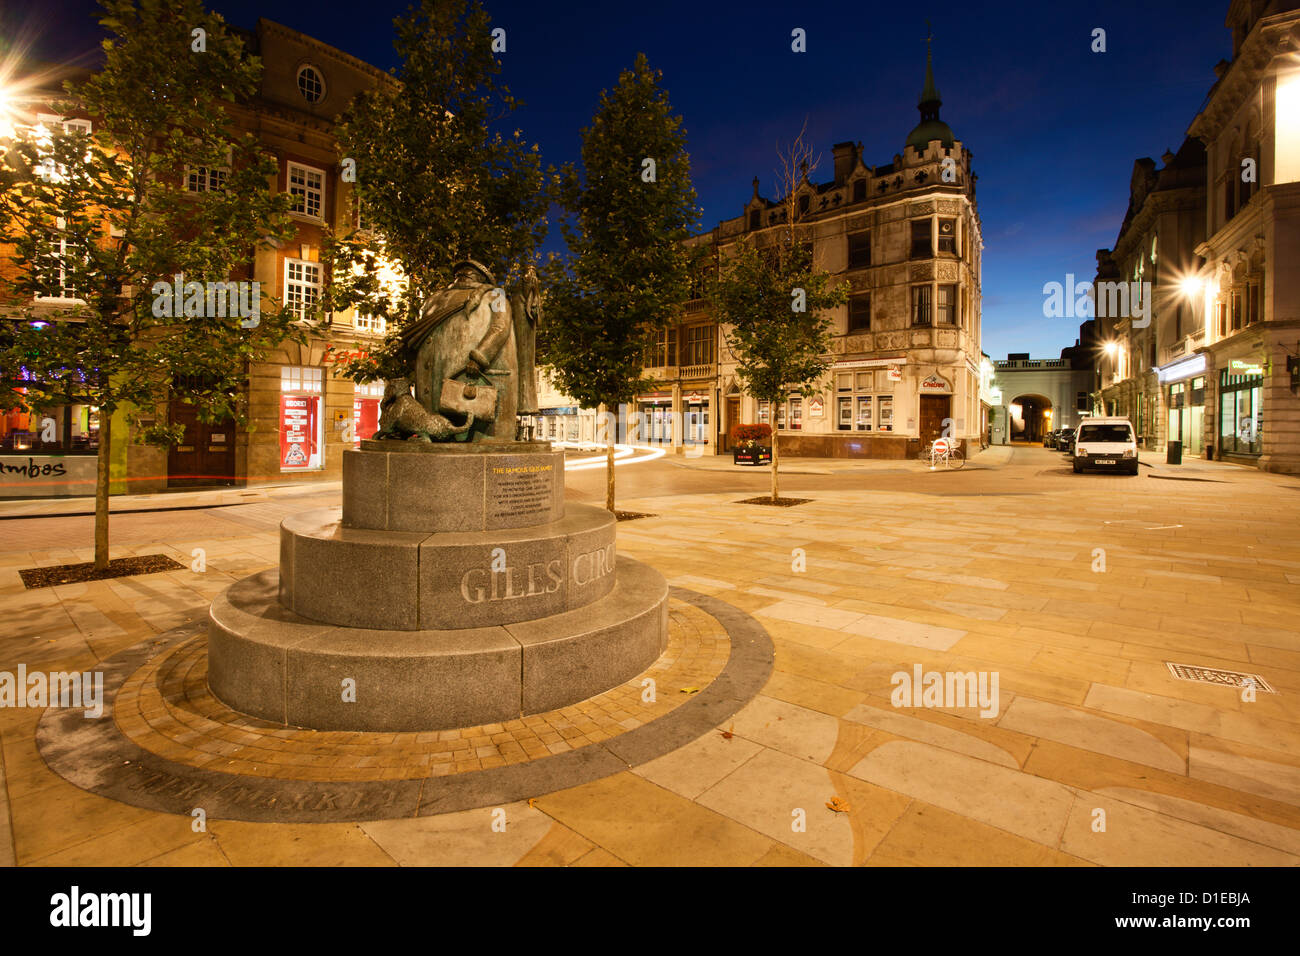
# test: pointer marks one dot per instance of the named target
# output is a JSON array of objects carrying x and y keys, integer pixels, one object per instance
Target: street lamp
[{"x": 1110, "y": 349}]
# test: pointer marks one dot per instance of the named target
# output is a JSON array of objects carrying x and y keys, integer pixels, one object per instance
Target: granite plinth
[
  {"x": 410, "y": 580},
  {"x": 267, "y": 661},
  {"x": 453, "y": 588},
  {"x": 479, "y": 486}
]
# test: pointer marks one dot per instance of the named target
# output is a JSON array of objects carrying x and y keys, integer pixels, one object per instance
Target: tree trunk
[
  {"x": 101, "y": 489},
  {"x": 609, "y": 474},
  {"x": 776, "y": 483},
  {"x": 610, "y": 434}
]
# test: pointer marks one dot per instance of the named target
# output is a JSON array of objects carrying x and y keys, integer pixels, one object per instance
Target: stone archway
[{"x": 1030, "y": 418}]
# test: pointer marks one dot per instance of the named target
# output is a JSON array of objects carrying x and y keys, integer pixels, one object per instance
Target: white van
[{"x": 1106, "y": 443}]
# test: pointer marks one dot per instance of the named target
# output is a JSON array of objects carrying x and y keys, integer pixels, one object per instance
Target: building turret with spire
[{"x": 931, "y": 127}]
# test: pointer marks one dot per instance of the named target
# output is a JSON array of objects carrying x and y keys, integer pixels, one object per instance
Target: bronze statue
[
  {"x": 403, "y": 417},
  {"x": 472, "y": 350}
]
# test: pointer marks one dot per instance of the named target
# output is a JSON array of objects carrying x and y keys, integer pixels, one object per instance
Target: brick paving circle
[{"x": 165, "y": 743}]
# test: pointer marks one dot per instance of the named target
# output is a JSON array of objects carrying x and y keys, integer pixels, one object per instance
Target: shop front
[
  {"x": 852, "y": 417},
  {"x": 864, "y": 394},
  {"x": 934, "y": 403},
  {"x": 302, "y": 420},
  {"x": 1184, "y": 394},
  {"x": 1241, "y": 409},
  {"x": 697, "y": 407},
  {"x": 559, "y": 423},
  {"x": 655, "y": 426},
  {"x": 50, "y": 452}
]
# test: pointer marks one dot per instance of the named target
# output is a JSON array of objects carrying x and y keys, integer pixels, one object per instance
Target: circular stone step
[
  {"x": 411, "y": 581},
  {"x": 268, "y": 662}
]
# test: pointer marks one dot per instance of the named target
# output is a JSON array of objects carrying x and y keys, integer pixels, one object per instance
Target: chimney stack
[{"x": 844, "y": 158}]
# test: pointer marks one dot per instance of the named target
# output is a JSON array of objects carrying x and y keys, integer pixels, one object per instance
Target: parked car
[
  {"x": 1106, "y": 443},
  {"x": 1049, "y": 440}
]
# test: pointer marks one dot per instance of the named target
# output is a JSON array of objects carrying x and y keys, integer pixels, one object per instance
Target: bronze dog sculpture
[{"x": 403, "y": 417}]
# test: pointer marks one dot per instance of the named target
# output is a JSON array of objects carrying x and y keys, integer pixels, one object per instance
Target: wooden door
[
  {"x": 934, "y": 409},
  {"x": 206, "y": 453},
  {"x": 733, "y": 418}
]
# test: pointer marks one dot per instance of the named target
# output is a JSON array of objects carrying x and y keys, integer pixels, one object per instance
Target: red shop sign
[{"x": 298, "y": 416}]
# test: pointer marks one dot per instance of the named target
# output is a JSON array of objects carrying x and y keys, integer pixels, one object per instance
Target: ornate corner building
[
  {"x": 905, "y": 237},
  {"x": 1218, "y": 367}
]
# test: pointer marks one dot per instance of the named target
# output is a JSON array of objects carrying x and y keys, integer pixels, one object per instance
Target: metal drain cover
[{"x": 1216, "y": 675}]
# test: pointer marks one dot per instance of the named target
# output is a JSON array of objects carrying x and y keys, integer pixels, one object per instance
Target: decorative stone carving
[
  {"x": 920, "y": 271},
  {"x": 946, "y": 271}
]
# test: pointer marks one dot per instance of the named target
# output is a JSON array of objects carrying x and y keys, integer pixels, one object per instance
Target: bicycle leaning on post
[{"x": 945, "y": 451}]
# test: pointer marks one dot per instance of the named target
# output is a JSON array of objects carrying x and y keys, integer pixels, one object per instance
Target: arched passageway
[{"x": 1031, "y": 417}]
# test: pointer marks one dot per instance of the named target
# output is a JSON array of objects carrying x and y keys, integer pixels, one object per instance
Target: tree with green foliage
[
  {"x": 626, "y": 273},
  {"x": 96, "y": 220},
  {"x": 436, "y": 182},
  {"x": 772, "y": 304}
]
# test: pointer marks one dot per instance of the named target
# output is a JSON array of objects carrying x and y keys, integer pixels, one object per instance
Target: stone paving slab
[
  {"x": 1100, "y": 579},
  {"x": 164, "y": 742}
]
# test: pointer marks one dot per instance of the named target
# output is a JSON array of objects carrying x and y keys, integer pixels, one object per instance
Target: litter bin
[{"x": 1174, "y": 453}]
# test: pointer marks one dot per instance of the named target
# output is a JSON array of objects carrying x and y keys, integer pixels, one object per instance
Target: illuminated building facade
[
  {"x": 1225, "y": 378},
  {"x": 301, "y": 414}
]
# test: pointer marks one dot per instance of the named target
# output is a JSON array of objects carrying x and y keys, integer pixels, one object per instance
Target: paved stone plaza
[{"x": 1076, "y": 592}]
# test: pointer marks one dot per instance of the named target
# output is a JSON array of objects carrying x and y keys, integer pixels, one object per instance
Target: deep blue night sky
[{"x": 1054, "y": 128}]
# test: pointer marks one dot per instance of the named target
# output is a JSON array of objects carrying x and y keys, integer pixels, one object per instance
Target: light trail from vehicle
[{"x": 623, "y": 455}]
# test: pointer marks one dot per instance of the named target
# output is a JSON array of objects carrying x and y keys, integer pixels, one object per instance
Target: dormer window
[
  {"x": 311, "y": 84},
  {"x": 755, "y": 219},
  {"x": 803, "y": 204},
  {"x": 860, "y": 190}
]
